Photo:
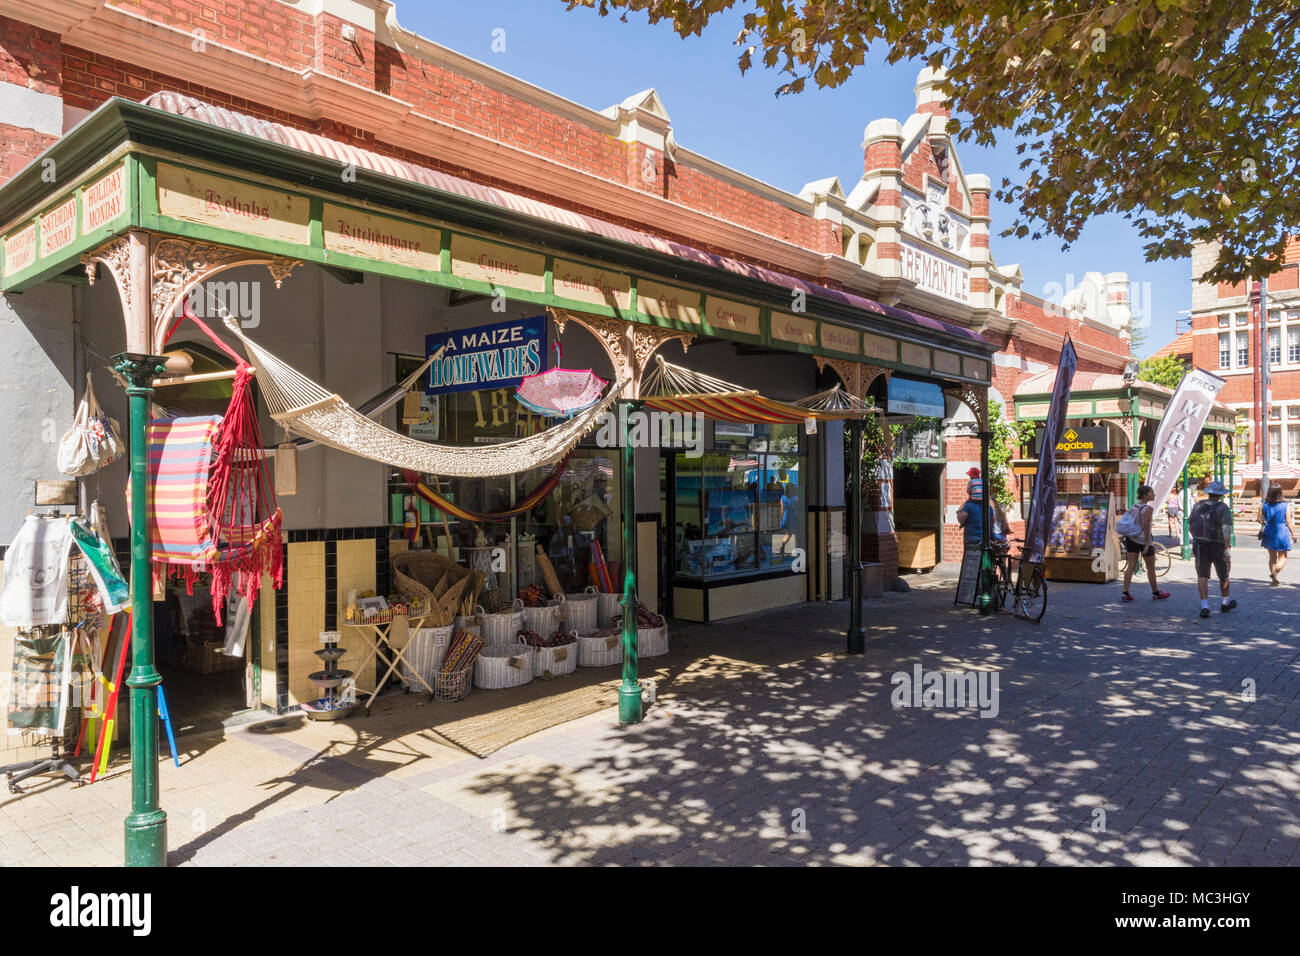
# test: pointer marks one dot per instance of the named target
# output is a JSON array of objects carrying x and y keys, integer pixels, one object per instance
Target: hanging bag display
[{"x": 93, "y": 441}]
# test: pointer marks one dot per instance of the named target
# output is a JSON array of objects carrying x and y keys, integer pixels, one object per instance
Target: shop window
[{"x": 738, "y": 512}]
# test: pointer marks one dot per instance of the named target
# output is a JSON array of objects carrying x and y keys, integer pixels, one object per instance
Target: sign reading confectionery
[
  {"x": 936, "y": 275},
  {"x": 488, "y": 356},
  {"x": 241, "y": 207},
  {"x": 499, "y": 266},
  {"x": 592, "y": 284},
  {"x": 354, "y": 232}
]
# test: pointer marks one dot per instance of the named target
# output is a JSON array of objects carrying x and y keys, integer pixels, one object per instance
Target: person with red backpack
[{"x": 1210, "y": 526}]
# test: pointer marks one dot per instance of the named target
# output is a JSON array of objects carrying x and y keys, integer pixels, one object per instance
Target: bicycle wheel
[
  {"x": 1031, "y": 597},
  {"x": 1163, "y": 560}
]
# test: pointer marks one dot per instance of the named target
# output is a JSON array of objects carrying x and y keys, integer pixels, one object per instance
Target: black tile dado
[
  {"x": 331, "y": 584},
  {"x": 282, "y": 640}
]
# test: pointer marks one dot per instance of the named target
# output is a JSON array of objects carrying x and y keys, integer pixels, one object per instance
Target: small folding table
[{"x": 377, "y": 635}]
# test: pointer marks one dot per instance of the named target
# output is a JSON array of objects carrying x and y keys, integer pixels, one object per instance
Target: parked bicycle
[{"x": 1021, "y": 580}]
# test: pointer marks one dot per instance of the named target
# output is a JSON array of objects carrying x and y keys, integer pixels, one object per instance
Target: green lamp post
[
  {"x": 629, "y": 692},
  {"x": 857, "y": 638},
  {"x": 146, "y": 826}
]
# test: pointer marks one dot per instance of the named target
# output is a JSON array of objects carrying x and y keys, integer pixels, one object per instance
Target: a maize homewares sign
[{"x": 488, "y": 356}]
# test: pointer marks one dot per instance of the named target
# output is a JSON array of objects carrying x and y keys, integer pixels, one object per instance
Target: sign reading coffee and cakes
[
  {"x": 499, "y": 266},
  {"x": 840, "y": 339},
  {"x": 660, "y": 301},
  {"x": 792, "y": 328},
  {"x": 593, "y": 285},
  {"x": 731, "y": 316},
  {"x": 241, "y": 207},
  {"x": 354, "y": 232}
]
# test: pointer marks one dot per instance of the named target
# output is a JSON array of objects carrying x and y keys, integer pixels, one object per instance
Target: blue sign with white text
[
  {"x": 489, "y": 356},
  {"x": 907, "y": 397}
]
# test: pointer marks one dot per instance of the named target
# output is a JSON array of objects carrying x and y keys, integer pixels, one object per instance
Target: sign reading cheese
[
  {"x": 499, "y": 266},
  {"x": 368, "y": 236},
  {"x": 791, "y": 328},
  {"x": 229, "y": 204}
]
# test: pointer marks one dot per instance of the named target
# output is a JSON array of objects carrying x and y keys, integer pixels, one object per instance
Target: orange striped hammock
[
  {"x": 744, "y": 405},
  {"x": 527, "y": 503}
]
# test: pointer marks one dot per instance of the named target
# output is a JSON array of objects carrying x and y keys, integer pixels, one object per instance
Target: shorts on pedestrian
[
  {"x": 1210, "y": 553},
  {"x": 1135, "y": 547}
]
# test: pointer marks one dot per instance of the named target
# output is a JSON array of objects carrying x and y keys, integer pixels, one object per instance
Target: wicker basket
[
  {"x": 499, "y": 666},
  {"x": 607, "y": 608},
  {"x": 558, "y": 660},
  {"x": 423, "y": 655},
  {"x": 581, "y": 610},
  {"x": 417, "y": 573},
  {"x": 472, "y": 622},
  {"x": 454, "y": 685},
  {"x": 543, "y": 620},
  {"x": 503, "y": 628},
  {"x": 651, "y": 641},
  {"x": 599, "y": 651}
]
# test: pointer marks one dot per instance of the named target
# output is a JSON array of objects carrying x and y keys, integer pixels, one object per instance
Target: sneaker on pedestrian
[
  {"x": 1127, "y": 597},
  {"x": 1160, "y": 595},
  {"x": 1205, "y": 612},
  {"x": 1228, "y": 606}
]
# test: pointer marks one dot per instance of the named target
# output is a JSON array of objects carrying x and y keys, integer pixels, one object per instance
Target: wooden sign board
[{"x": 55, "y": 492}]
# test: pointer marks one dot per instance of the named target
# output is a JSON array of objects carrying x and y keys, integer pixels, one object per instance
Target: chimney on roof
[{"x": 930, "y": 95}]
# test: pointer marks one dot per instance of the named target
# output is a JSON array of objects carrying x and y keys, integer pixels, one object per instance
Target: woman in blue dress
[{"x": 1275, "y": 531}]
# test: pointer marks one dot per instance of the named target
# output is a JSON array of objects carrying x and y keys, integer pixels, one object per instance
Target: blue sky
[{"x": 790, "y": 141}]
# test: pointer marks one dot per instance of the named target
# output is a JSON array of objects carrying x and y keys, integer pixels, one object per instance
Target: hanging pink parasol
[{"x": 560, "y": 392}]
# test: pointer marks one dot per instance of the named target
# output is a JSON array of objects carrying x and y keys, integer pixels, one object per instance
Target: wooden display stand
[
  {"x": 1072, "y": 558},
  {"x": 918, "y": 550}
]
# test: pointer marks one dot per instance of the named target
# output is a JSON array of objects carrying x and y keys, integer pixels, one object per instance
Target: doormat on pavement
[{"x": 485, "y": 734}]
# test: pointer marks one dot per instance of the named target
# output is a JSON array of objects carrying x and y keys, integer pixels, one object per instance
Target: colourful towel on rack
[{"x": 180, "y": 455}]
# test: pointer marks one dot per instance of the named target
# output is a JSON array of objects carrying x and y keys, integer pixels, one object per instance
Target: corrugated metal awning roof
[{"x": 187, "y": 106}]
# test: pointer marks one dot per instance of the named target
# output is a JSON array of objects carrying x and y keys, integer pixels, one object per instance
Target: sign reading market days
[{"x": 489, "y": 356}]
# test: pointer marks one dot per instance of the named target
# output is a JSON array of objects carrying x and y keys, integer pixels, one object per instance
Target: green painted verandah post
[
  {"x": 629, "y": 692},
  {"x": 1187, "y": 547},
  {"x": 146, "y": 825}
]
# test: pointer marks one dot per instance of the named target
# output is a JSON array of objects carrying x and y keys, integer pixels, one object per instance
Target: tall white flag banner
[{"x": 1180, "y": 428}]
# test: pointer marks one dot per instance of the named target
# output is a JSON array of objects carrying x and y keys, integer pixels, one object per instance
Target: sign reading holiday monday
[{"x": 489, "y": 356}]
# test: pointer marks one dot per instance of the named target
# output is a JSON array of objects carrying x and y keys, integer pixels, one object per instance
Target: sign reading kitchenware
[
  {"x": 489, "y": 356},
  {"x": 936, "y": 275}
]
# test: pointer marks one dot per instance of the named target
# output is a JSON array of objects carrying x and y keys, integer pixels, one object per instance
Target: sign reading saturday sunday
[{"x": 489, "y": 356}]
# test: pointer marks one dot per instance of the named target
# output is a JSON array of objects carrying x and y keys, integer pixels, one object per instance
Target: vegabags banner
[{"x": 1180, "y": 428}]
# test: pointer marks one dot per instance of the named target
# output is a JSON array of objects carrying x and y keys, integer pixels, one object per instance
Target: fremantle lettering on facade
[{"x": 936, "y": 275}]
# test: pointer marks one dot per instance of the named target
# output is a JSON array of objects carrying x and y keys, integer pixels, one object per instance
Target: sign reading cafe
[{"x": 489, "y": 356}]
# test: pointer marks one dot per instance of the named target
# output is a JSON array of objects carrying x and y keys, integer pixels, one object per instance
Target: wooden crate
[{"x": 918, "y": 550}]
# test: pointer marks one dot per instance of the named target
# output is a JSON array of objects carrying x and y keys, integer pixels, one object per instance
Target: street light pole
[
  {"x": 146, "y": 827},
  {"x": 1264, "y": 388},
  {"x": 857, "y": 639}
]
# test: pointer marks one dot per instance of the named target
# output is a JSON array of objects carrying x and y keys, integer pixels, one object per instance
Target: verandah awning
[{"x": 745, "y": 406}]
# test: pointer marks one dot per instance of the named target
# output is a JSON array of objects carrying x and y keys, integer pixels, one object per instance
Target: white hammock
[{"x": 305, "y": 408}]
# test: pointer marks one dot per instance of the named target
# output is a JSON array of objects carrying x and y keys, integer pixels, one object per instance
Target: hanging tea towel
[{"x": 35, "y": 588}]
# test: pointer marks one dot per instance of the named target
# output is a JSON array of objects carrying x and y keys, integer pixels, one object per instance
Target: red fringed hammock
[
  {"x": 243, "y": 518},
  {"x": 526, "y": 503}
]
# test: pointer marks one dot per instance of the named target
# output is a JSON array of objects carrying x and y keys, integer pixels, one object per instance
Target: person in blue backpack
[{"x": 1210, "y": 526}]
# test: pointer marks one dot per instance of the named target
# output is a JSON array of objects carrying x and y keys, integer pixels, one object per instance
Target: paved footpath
[{"x": 1125, "y": 734}]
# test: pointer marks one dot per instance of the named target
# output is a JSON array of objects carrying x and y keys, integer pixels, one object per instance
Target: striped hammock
[{"x": 525, "y": 504}]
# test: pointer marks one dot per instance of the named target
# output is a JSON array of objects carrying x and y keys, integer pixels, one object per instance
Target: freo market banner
[
  {"x": 489, "y": 356},
  {"x": 1043, "y": 506},
  {"x": 1180, "y": 428}
]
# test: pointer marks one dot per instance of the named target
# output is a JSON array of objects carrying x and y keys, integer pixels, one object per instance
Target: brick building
[
  {"x": 1224, "y": 338},
  {"x": 333, "y": 105}
]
